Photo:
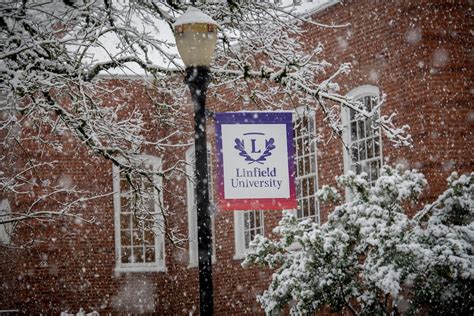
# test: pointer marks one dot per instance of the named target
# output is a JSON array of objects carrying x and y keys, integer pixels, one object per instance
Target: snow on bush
[{"x": 370, "y": 257}]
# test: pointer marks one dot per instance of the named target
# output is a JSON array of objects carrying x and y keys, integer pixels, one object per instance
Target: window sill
[
  {"x": 146, "y": 269},
  {"x": 239, "y": 256},
  {"x": 196, "y": 264}
]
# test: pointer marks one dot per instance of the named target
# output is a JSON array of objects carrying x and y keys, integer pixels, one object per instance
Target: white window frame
[
  {"x": 159, "y": 264},
  {"x": 239, "y": 231},
  {"x": 191, "y": 208},
  {"x": 355, "y": 94},
  {"x": 5, "y": 229},
  {"x": 298, "y": 113}
]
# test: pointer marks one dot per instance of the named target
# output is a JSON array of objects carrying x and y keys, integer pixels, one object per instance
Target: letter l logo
[{"x": 254, "y": 150}]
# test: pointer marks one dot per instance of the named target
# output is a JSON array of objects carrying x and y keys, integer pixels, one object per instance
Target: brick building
[{"x": 418, "y": 53}]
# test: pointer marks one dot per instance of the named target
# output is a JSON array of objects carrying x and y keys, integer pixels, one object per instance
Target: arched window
[{"x": 362, "y": 137}]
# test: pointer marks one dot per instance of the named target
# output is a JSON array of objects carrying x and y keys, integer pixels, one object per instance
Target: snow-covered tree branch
[{"x": 58, "y": 58}]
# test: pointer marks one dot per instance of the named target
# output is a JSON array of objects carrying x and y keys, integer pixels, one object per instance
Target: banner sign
[{"x": 255, "y": 161}]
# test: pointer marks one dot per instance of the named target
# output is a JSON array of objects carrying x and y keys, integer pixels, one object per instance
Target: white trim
[
  {"x": 190, "y": 206},
  {"x": 191, "y": 209},
  {"x": 321, "y": 8},
  {"x": 159, "y": 264},
  {"x": 151, "y": 268},
  {"x": 239, "y": 235},
  {"x": 362, "y": 91},
  {"x": 5, "y": 229}
]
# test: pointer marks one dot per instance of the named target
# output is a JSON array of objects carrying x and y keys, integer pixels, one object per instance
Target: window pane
[
  {"x": 252, "y": 234},
  {"x": 299, "y": 212},
  {"x": 365, "y": 168},
  {"x": 247, "y": 239},
  {"x": 355, "y": 152},
  {"x": 361, "y": 126},
  {"x": 136, "y": 224},
  {"x": 150, "y": 254},
  {"x": 368, "y": 127},
  {"x": 370, "y": 148},
  {"x": 248, "y": 219},
  {"x": 300, "y": 167},
  {"x": 377, "y": 146},
  {"x": 124, "y": 204},
  {"x": 307, "y": 146},
  {"x": 258, "y": 222},
  {"x": 357, "y": 168},
  {"x": 138, "y": 254},
  {"x": 312, "y": 206},
  {"x": 124, "y": 185},
  {"x": 149, "y": 237},
  {"x": 353, "y": 131},
  {"x": 373, "y": 102},
  {"x": 126, "y": 255},
  {"x": 305, "y": 187},
  {"x": 299, "y": 146},
  {"x": 362, "y": 155},
  {"x": 304, "y": 208},
  {"x": 125, "y": 238},
  {"x": 311, "y": 184},
  {"x": 125, "y": 221},
  {"x": 374, "y": 170},
  {"x": 367, "y": 101},
  {"x": 137, "y": 237},
  {"x": 307, "y": 165},
  {"x": 313, "y": 164},
  {"x": 369, "y": 173}
]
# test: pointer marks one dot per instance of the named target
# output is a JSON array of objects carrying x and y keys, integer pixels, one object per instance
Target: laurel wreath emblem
[{"x": 269, "y": 146}]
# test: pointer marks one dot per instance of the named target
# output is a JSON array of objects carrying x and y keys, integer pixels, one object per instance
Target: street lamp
[{"x": 196, "y": 35}]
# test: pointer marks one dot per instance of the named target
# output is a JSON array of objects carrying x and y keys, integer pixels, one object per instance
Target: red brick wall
[{"x": 417, "y": 52}]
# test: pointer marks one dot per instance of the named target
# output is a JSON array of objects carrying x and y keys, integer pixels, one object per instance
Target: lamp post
[{"x": 196, "y": 35}]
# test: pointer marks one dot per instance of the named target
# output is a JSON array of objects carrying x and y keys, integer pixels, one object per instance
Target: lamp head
[{"x": 196, "y": 36}]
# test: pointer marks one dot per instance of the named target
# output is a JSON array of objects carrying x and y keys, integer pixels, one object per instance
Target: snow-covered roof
[
  {"x": 308, "y": 7},
  {"x": 315, "y": 6}
]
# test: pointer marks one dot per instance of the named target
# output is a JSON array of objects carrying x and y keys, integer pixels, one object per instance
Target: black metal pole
[{"x": 197, "y": 78}]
